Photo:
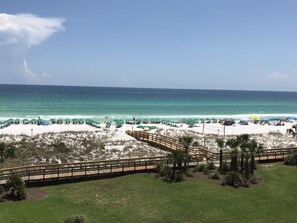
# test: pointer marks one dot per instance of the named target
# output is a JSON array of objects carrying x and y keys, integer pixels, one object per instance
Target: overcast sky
[{"x": 238, "y": 44}]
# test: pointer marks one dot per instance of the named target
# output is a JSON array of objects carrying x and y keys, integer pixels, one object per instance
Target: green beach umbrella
[
  {"x": 33, "y": 121},
  {"x": 26, "y": 121},
  {"x": 53, "y": 120}
]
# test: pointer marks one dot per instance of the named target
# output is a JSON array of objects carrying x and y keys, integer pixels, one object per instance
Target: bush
[
  {"x": 179, "y": 177},
  {"x": 206, "y": 171},
  {"x": 245, "y": 182},
  {"x": 215, "y": 176},
  {"x": 188, "y": 174},
  {"x": 76, "y": 219},
  {"x": 201, "y": 167},
  {"x": 253, "y": 179},
  {"x": 164, "y": 171},
  {"x": 211, "y": 166},
  {"x": 233, "y": 179},
  {"x": 17, "y": 186},
  {"x": 224, "y": 168},
  {"x": 291, "y": 160}
]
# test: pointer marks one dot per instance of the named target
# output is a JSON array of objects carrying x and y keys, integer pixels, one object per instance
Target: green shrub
[
  {"x": 253, "y": 179},
  {"x": 201, "y": 167},
  {"x": 245, "y": 182},
  {"x": 233, "y": 179},
  {"x": 206, "y": 171},
  {"x": 224, "y": 168},
  {"x": 164, "y": 171},
  {"x": 179, "y": 177},
  {"x": 291, "y": 160},
  {"x": 211, "y": 166},
  {"x": 160, "y": 169},
  {"x": 215, "y": 176},
  {"x": 188, "y": 174},
  {"x": 16, "y": 186},
  {"x": 76, "y": 219},
  {"x": 10, "y": 152}
]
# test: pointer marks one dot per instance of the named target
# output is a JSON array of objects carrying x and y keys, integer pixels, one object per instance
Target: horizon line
[{"x": 164, "y": 88}]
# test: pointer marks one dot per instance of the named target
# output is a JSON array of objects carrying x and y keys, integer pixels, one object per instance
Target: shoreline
[{"x": 211, "y": 128}]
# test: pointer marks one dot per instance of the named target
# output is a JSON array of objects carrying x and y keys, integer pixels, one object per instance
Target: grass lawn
[{"x": 144, "y": 198}]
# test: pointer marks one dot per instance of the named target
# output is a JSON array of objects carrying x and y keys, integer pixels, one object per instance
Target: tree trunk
[
  {"x": 235, "y": 162},
  {"x": 186, "y": 159},
  {"x": 173, "y": 171},
  {"x": 241, "y": 162},
  {"x": 221, "y": 159},
  {"x": 252, "y": 163},
  {"x": 246, "y": 168}
]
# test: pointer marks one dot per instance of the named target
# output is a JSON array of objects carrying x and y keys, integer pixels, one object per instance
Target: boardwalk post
[
  {"x": 123, "y": 167},
  {"x": 98, "y": 169},
  {"x": 58, "y": 174},
  {"x": 28, "y": 177},
  {"x": 43, "y": 175},
  {"x": 134, "y": 166}
]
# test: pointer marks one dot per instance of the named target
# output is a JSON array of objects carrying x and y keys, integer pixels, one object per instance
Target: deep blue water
[{"x": 97, "y": 102}]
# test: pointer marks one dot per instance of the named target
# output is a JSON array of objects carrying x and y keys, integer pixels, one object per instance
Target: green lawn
[{"x": 143, "y": 198}]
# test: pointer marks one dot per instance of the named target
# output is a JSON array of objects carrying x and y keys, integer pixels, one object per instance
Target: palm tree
[
  {"x": 254, "y": 148},
  {"x": 186, "y": 142},
  {"x": 17, "y": 186},
  {"x": 233, "y": 144},
  {"x": 221, "y": 145},
  {"x": 243, "y": 141},
  {"x": 177, "y": 157}
]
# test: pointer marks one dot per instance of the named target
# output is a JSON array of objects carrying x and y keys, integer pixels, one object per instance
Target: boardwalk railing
[
  {"x": 69, "y": 171},
  {"x": 203, "y": 152},
  {"x": 170, "y": 143}
]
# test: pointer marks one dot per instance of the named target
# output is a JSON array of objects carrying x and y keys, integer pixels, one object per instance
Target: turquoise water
[{"x": 20, "y": 101}]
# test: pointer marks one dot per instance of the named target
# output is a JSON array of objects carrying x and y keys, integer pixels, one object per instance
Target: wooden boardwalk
[
  {"x": 203, "y": 153},
  {"x": 70, "y": 171},
  {"x": 49, "y": 173}
]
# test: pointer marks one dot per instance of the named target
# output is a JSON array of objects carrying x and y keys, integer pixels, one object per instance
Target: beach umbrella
[
  {"x": 140, "y": 127},
  {"x": 152, "y": 127},
  {"x": 53, "y": 121},
  {"x": 292, "y": 118},
  {"x": 67, "y": 121},
  {"x": 80, "y": 121},
  {"x": 255, "y": 117},
  {"x": 17, "y": 121},
  {"x": 33, "y": 121},
  {"x": 45, "y": 122},
  {"x": 60, "y": 121},
  {"x": 25, "y": 121}
]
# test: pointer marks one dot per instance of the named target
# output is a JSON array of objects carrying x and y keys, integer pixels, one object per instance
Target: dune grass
[{"x": 144, "y": 198}]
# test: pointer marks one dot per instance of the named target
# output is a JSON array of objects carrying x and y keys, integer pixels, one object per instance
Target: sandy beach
[
  {"x": 36, "y": 144},
  {"x": 212, "y": 128}
]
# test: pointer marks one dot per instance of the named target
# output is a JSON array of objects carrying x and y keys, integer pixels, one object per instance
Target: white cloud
[
  {"x": 29, "y": 74},
  {"x": 276, "y": 76},
  {"x": 18, "y": 33}
]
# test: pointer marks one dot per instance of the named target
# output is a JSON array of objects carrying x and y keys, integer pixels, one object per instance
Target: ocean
[{"x": 33, "y": 101}]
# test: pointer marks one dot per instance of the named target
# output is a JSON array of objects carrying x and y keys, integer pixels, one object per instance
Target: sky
[{"x": 195, "y": 44}]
